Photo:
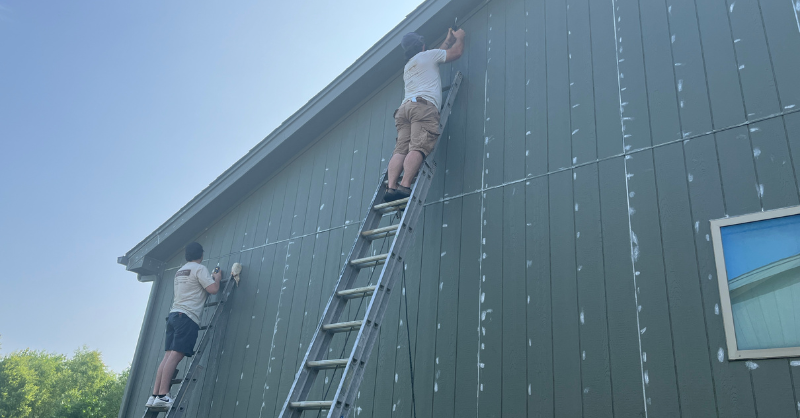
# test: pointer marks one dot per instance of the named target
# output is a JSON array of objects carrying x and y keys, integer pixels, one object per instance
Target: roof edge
[{"x": 298, "y": 131}]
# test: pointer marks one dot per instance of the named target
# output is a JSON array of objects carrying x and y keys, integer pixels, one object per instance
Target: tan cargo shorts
[{"x": 417, "y": 127}]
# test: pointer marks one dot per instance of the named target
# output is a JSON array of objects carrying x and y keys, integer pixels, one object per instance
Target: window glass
[{"x": 762, "y": 260}]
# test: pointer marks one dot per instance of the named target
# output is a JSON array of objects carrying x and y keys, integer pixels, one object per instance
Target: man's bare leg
[
  {"x": 166, "y": 370},
  {"x": 157, "y": 383},
  {"x": 395, "y": 168},
  {"x": 410, "y": 167}
]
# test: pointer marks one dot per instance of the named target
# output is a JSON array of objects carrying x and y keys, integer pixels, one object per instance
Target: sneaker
[
  {"x": 150, "y": 400},
  {"x": 402, "y": 192},
  {"x": 166, "y": 401},
  {"x": 389, "y": 196}
]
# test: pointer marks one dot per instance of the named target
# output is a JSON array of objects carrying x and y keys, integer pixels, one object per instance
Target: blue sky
[
  {"x": 752, "y": 245},
  {"x": 113, "y": 115}
]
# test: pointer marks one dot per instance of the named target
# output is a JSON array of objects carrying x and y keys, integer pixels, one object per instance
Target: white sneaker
[
  {"x": 166, "y": 401},
  {"x": 150, "y": 401}
]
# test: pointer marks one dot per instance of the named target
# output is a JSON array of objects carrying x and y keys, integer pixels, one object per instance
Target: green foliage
[{"x": 36, "y": 384}]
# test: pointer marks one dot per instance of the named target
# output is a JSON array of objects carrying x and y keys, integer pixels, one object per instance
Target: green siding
[{"x": 563, "y": 265}]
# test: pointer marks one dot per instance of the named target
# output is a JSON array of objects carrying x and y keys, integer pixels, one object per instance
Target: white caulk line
[
  {"x": 794, "y": 9},
  {"x": 480, "y": 256},
  {"x": 628, "y": 202},
  {"x": 275, "y": 328}
]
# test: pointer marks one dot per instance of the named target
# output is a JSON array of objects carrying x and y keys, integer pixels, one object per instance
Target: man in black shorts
[{"x": 192, "y": 284}]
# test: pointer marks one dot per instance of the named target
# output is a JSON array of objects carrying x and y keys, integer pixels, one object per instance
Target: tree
[{"x": 36, "y": 384}]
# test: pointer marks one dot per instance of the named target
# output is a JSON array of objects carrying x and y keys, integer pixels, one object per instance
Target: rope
[{"x": 408, "y": 334}]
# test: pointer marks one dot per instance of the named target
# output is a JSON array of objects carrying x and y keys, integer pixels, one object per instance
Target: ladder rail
[{"x": 368, "y": 332}]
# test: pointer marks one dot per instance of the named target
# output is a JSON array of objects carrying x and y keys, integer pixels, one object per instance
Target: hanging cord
[
  {"x": 408, "y": 334},
  {"x": 344, "y": 347}
]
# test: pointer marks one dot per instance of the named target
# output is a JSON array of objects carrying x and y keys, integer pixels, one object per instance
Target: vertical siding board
[
  {"x": 495, "y": 95},
  {"x": 374, "y": 150},
  {"x": 436, "y": 190},
  {"x": 584, "y": 140},
  {"x": 727, "y": 103},
  {"x": 279, "y": 197},
  {"x": 514, "y": 377},
  {"x": 695, "y": 110},
  {"x": 303, "y": 192},
  {"x": 386, "y": 358},
  {"x": 294, "y": 172},
  {"x": 407, "y": 327},
  {"x": 655, "y": 316},
  {"x": 595, "y": 367},
  {"x": 490, "y": 348},
  {"x": 772, "y": 388},
  {"x": 222, "y": 243},
  {"x": 294, "y": 349},
  {"x": 559, "y": 146},
  {"x": 265, "y": 261},
  {"x": 342, "y": 185},
  {"x": 264, "y": 211},
  {"x": 631, "y": 76},
  {"x": 329, "y": 180},
  {"x": 466, "y": 377},
  {"x": 449, "y": 285},
  {"x": 792, "y": 125},
  {"x": 281, "y": 327},
  {"x": 539, "y": 310},
  {"x": 322, "y": 384},
  {"x": 476, "y": 103},
  {"x": 340, "y": 347},
  {"x": 360, "y": 150},
  {"x": 731, "y": 383},
  {"x": 566, "y": 317},
  {"x": 313, "y": 210},
  {"x": 425, "y": 345},
  {"x": 692, "y": 361},
  {"x": 783, "y": 37},
  {"x": 269, "y": 328},
  {"x": 753, "y": 60},
  {"x": 451, "y": 170},
  {"x": 247, "y": 206},
  {"x": 241, "y": 302},
  {"x": 773, "y": 164},
  {"x": 252, "y": 220},
  {"x": 536, "y": 154},
  {"x": 624, "y": 346},
  {"x": 739, "y": 182},
  {"x": 602, "y": 18},
  {"x": 661, "y": 92},
  {"x": 396, "y": 92}
]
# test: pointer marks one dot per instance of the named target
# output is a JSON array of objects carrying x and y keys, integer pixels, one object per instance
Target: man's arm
[
  {"x": 449, "y": 40},
  {"x": 213, "y": 288},
  {"x": 454, "y": 52}
]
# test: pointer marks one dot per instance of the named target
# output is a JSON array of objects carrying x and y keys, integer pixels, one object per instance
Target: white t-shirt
[
  {"x": 421, "y": 76},
  {"x": 191, "y": 281}
]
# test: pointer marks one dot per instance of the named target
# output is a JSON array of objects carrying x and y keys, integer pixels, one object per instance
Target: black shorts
[{"x": 181, "y": 334}]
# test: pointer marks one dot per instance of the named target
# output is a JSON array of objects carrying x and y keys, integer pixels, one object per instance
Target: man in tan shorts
[{"x": 417, "y": 118}]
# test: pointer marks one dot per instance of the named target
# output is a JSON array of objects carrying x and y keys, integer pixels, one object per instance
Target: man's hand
[
  {"x": 459, "y": 34},
  {"x": 449, "y": 40},
  {"x": 217, "y": 274},
  {"x": 457, "y": 48}
]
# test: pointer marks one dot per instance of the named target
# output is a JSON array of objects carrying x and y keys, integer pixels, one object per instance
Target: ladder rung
[
  {"x": 158, "y": 409},
  {"x": 356, "y": 292},
  {"x": 327, "y": 364},
  {"x": 380, "y": 232},
  {"x": 342, "y": 326},
  {"x": 397, "y": 202},
  {"x": 374, "y": 258},
  {"x": 212, "y": 304},
  {"x": 176, "y": 381},
  {"x": 311, "y": 405}
]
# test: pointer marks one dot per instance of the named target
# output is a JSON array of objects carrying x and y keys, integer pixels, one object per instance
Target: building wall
[{"x": 563, "y": 266}]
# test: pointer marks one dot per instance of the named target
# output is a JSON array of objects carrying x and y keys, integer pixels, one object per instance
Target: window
[{"x": 758, "y": 268}]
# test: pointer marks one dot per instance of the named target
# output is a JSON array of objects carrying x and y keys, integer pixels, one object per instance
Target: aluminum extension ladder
[
  {"x": 189, "y": 381},
  {"x": 380, "y": 292}
]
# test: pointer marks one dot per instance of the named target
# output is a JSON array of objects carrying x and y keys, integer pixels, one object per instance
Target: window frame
[{"x": 724, "y": 293}]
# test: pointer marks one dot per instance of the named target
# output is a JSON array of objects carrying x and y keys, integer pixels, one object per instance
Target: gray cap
[{"x": 411, "y": 40}]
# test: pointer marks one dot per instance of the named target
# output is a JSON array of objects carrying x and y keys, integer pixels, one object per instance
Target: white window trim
[{"x": 722, "y": 279}]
